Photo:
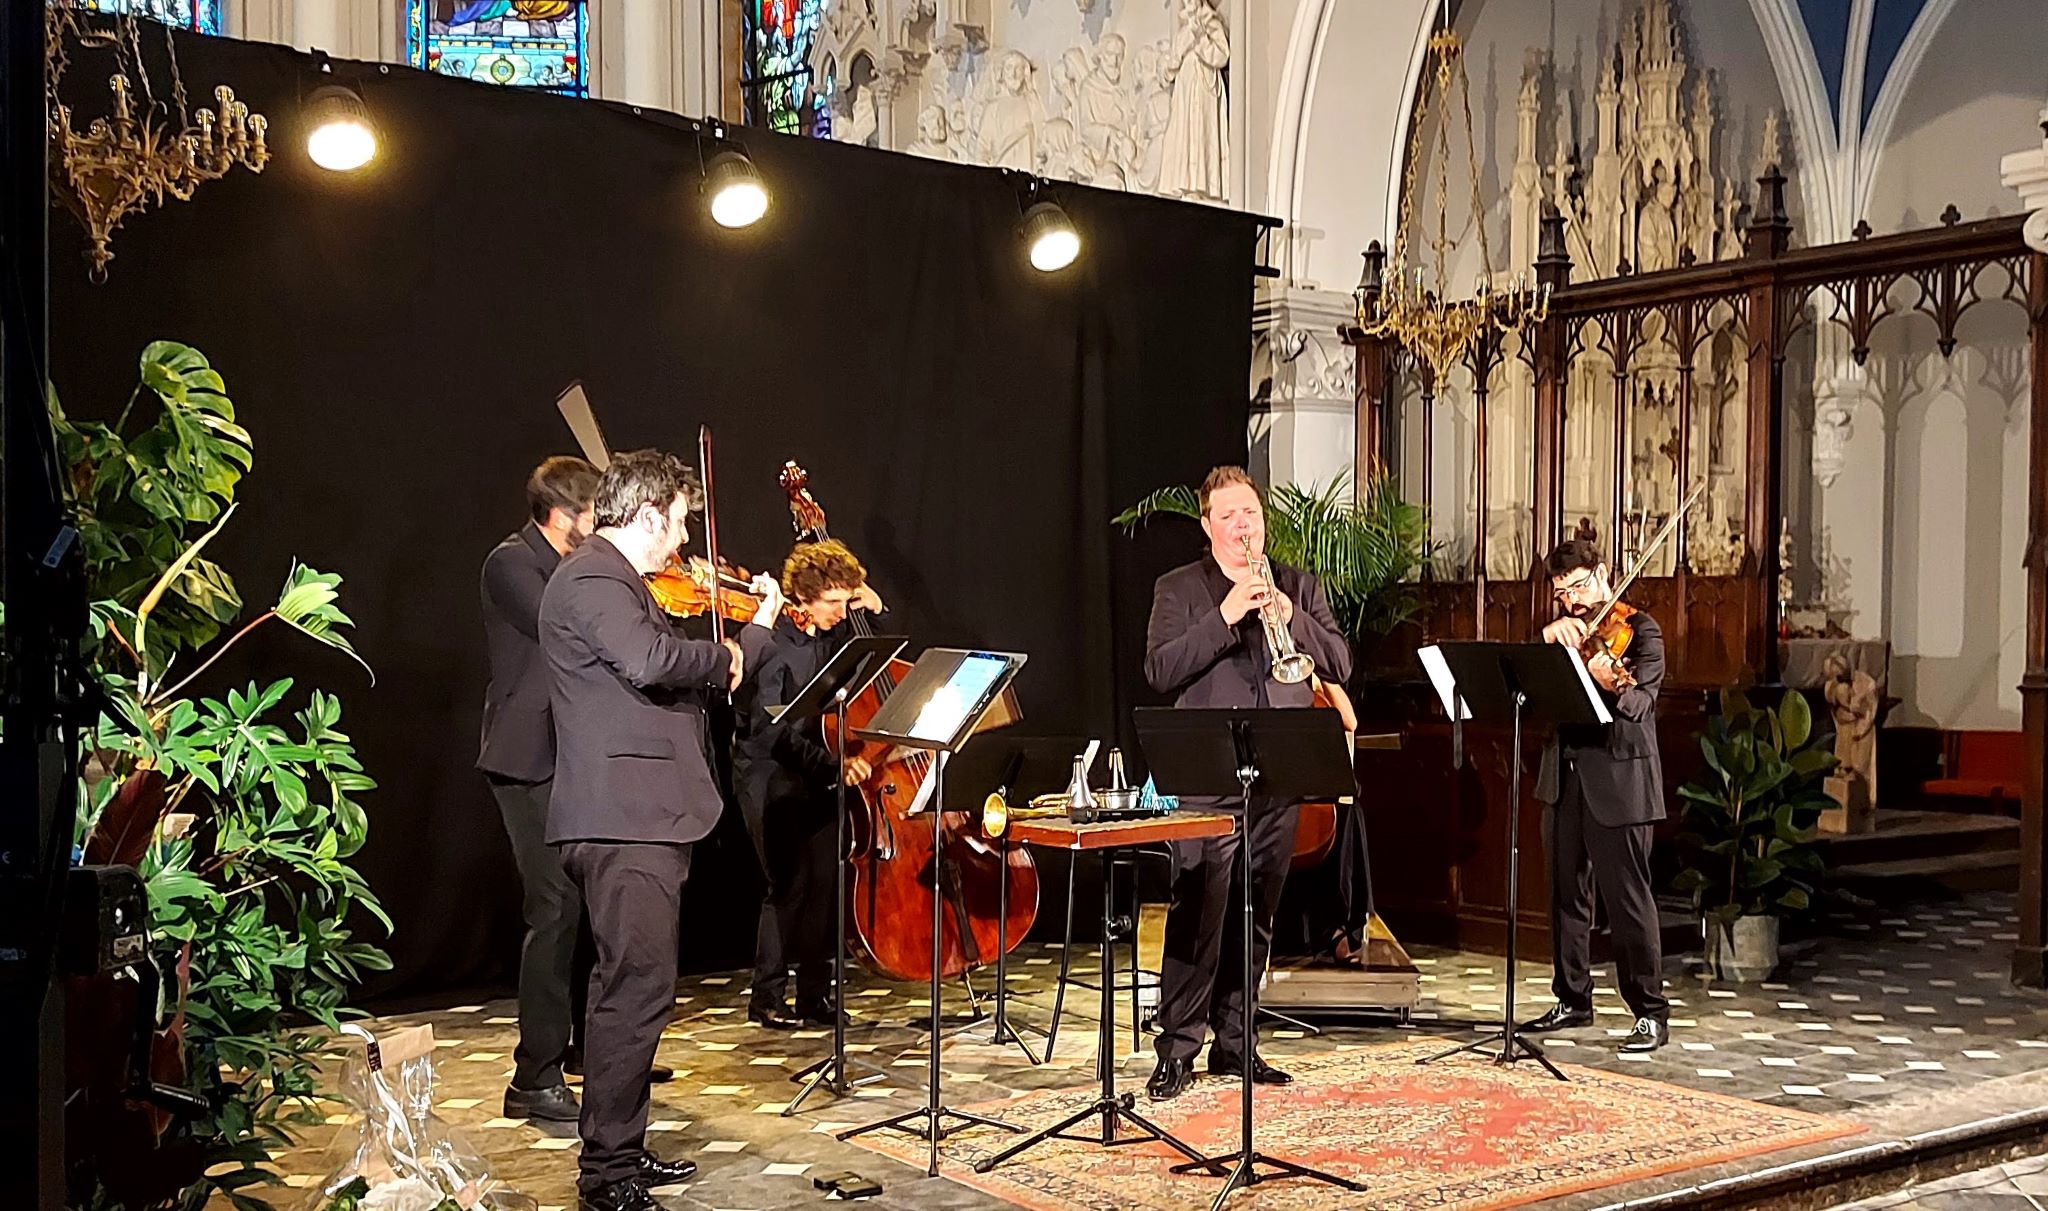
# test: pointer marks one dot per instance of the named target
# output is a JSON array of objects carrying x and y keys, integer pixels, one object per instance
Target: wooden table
[{"x": 1054, "y": 833}]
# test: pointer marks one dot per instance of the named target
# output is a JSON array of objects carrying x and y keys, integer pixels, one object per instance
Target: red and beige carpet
[{"x": 1460, "y": 1135}]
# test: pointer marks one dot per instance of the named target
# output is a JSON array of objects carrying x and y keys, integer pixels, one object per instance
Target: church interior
[{"x": 1638, "y": 411}]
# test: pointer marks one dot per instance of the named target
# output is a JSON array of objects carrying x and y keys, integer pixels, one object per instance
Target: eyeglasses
[{"x": 1574, "y": 587}]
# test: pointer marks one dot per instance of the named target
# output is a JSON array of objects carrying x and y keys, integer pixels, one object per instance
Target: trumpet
[
  {"x": 1290, "y": 665},
  {"x": 996, "y": 812}
]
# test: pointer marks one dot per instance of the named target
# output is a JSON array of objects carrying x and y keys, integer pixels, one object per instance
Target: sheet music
[
  {"x": 1592, "y": 690},
  {"x": 1440, "y": 676}
]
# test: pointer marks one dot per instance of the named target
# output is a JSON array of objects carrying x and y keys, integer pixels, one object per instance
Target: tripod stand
[
  {"x": 1287, "y": 753},
  {"x": 938, "y": 707},
  {"x": 849, "y": 671},
  {"x": 1490, "y": 682}
]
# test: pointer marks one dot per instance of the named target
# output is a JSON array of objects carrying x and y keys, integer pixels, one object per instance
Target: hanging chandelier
[
  {"x": 1411, "y": 308},
  {"x": 145, "y": 148}
]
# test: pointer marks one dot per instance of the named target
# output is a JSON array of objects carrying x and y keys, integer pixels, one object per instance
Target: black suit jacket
[
  {"x": 1192, "y": 654},
  {"x": 1620, "y": 770},
  {"x": 518, "y": 732},
  {"x": 629, "y": 697}
]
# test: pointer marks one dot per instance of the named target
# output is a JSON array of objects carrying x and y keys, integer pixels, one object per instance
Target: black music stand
[
  {"x": 858, "y": 662},
  {"x": 1504, "y": 683},
  {"x": 938, "y": 707},
  {"x": 1018, "y": 766},
  {"x": 1285, "y": 753}
]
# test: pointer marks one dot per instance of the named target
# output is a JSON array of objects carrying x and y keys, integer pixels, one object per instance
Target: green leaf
[
  {"x": 1796, "y": 717},
  {"x": 307, "y": 603}
]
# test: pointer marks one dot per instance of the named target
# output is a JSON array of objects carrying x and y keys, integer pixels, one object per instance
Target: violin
[
  {"x": 1609, "y": 632},
  {"x": 687, "y": 590},
  {"x": 1607, "y": 638}
]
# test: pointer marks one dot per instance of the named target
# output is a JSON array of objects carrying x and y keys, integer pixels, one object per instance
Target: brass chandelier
[
  {"x": 1417, "y": 312},
  {"x": 145, "y": 148}
]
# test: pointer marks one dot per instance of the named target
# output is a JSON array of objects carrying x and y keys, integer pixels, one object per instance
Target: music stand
[
  {"x": 1504, "y": 682},
  {"x": 1286, "y": 753},
  {"x": 857, "y": 662},
  {"x": 1019, "y": 766},
  {"x": 938, "y": 706}
]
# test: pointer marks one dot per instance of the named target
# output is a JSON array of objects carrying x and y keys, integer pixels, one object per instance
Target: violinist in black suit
[
  {"x": 633, "y": 791},
  {"x": 1604, "y": 787},
  {"x": 518, "y": 757}
]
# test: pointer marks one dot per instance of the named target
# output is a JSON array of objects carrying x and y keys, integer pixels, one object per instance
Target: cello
[{"x": 891, "y": 857}]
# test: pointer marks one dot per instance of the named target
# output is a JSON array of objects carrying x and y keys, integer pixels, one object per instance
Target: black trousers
[
  {"x": 1202, "y": 981},
  {"x": 552, "y": 968},
  {"x": 633, "y": 892},
  {"x": 795, "y": 841},
  {"x": 1583, "y": 852}
]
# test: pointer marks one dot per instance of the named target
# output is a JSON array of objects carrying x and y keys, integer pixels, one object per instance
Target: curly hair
[{"x": 815, "y": 568}]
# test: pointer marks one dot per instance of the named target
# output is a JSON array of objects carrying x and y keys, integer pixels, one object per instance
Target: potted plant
[
  {"x": 1748, "y": 829},
  {"x": 236, "y": 804}
]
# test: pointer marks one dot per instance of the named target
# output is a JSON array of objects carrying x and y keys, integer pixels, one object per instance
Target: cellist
[
  {"x": 1604, "y": 790},
  {"x": 785, "y": 779}
]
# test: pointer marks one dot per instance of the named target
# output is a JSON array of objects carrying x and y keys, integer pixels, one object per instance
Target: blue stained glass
[
  {"x": 200, "y": 15},
  {"x": 776, "y": 78},
  {"x": 538, "y": 44}
]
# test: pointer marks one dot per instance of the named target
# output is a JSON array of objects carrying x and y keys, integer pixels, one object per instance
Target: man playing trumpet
[{"x": 1210, "y": 643}]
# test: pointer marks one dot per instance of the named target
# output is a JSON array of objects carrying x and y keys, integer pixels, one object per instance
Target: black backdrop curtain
[{"x": 394, "y": 340}]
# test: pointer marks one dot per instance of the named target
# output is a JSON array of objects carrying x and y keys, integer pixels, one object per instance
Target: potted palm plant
[{"x": 1748, "y": 829}]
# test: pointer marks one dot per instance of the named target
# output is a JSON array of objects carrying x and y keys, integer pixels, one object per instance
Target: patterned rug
[{"x": 1461, "y": 1135}]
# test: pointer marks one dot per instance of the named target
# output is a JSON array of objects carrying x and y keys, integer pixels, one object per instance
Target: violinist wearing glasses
[{"x": 1604, "y": 787}]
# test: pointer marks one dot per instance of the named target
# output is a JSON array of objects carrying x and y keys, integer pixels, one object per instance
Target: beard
[{"x": 1579, "y": 609}]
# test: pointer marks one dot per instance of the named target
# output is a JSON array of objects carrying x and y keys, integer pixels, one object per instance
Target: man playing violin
[
  {"x": 1604, "y": 787},
  {"x": 633, "y": 792},
  {"x": 786, "y": 779},
  {"x": 518, "y": 757}
]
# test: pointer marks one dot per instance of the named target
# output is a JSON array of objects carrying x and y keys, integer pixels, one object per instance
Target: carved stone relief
[{"x": 1138, "y": 99}]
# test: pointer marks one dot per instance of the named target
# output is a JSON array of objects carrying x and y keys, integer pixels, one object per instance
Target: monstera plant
[
  {"x": 1363, "y": 547},
  {"x": 1748, "y": 828},
  {"x": 236, "y": 804}
]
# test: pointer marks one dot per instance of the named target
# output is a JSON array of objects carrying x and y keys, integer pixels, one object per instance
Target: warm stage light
[
  {"x": 342, "y": 139},
  {"x": 1051, "y": 237},
  {"x": 738, "y": 199}
]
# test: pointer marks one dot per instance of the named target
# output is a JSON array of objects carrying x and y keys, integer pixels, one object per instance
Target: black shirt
[{"x": 785, "y": 761}]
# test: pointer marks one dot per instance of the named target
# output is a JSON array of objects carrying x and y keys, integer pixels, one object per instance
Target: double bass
[{"x": 891, "y": 859}]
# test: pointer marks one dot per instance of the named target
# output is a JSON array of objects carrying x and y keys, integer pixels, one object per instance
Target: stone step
[
  {"x": 1902, "y": 835},
  {"x": 1885, "y": 881}
]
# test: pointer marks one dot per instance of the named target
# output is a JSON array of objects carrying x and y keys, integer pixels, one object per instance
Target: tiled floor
[{"x": 1904, "y": 1023}]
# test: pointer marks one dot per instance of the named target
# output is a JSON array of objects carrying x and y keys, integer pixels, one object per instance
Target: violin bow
[
  {"x": 1643, "y": 560},
  {"x": 710, "y": 529}
]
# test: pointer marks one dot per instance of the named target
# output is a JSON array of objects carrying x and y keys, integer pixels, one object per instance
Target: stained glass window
[
  {"x": 777, "y": 80},
  {"x": 201, "y": 15},
  {"x": 539, "y": 44}
]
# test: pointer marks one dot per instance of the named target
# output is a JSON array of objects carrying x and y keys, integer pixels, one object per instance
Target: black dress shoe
[
  {"x": 660, "y": 1074},
  {"x": 774, "y": 1018},
  {"x": 624, "y": 1195},
  {"x": 1170, "y": 1079},
  {"x": 657, "y": 1172},
  {"x": 816, "y": 1014},
  {"x": 1262, "y": 1072},
  {"x": 1560, "y": 1017},
  {"x": 1649, "y": 1034},
  {"x": 555, "y": 1104}
]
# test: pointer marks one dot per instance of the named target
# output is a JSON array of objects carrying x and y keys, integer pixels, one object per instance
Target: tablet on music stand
[{"x": 942, "y": 700}]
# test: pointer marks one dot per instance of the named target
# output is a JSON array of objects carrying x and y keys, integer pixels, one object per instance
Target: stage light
[
  {"x": 1051, "y": 237},
  {"x": 738, "y": 199},
  {"x": 342, "y": 139}
]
